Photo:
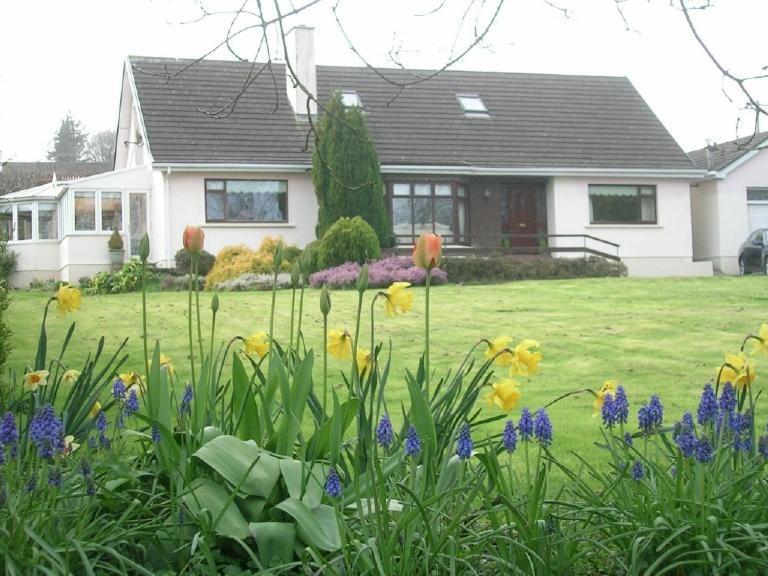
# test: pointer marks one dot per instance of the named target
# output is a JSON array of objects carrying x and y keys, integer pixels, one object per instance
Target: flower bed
[{"x": 381, "y": 273}]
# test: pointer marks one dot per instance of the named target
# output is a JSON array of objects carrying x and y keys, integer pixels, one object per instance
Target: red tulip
[
  {"x": 428, "y": 251},
  {"x": 194, "y": 239}
]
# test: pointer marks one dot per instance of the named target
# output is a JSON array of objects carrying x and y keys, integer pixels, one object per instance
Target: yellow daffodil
[
  {"x": 496, "y": 351},
  {"x": 32, "y": 380},
  {"x": 128, "y": 378},
  {"x": 504, "y": 394},
  {"x": 257, "y": 345},
  {"x": 340, "y": 344},
  {"x": 71, "y": 376},
  {"x": 608, "y": 389},
  {"x": 70, "y": 445},
  {"x": 738, "y": 370},
  {"x": 67, "y": 299},
  {"x": 525, "y": 362},
  {"x": 364, "y": 360},
  {"x": 95, "y": 409},
  {"x": 761, "y": 346},
  {"x": 399, "y": 299}
]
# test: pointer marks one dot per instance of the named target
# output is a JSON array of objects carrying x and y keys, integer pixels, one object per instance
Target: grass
[{"x": 662, "y": 336}]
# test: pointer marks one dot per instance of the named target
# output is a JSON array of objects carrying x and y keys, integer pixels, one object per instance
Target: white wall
[
  {"x": 185, "y": 193},
  {"x": 662, "y": 249},
  {"x": 705, "y": 220},
  {"x": 732, "y": 207},
  {"x": 36, "y": 261}
]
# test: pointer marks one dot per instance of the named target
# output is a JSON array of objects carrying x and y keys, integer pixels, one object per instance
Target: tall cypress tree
[
  {"x": 69, "y": 142},
  {"x": 345, "y": 171}
]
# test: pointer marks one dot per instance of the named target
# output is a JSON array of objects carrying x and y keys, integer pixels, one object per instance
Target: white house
[
  {"x": 731, "y": 201},
  {"x": 486, "y": 159}
]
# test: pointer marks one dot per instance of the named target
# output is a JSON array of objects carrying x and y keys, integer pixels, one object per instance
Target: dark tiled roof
[
  {"x": 721, "y": 155},
  {"x": 536, "y": 120},
  {"x": 21, "y": 175}
]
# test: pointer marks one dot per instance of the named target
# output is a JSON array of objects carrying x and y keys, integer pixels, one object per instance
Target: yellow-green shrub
[{"x": 234, "y": 261}]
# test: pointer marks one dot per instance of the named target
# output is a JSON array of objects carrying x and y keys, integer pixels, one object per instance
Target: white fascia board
[
  {"x": 193, "y": 167},
  {"x": 686, "y": 174},
  {"x": 137, "y": 103}
]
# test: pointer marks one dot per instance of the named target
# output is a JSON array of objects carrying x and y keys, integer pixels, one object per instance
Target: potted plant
[{"x": 116, "y": 251}]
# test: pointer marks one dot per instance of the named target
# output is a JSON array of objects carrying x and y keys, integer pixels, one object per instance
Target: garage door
[{"x": 758, "y": 216}]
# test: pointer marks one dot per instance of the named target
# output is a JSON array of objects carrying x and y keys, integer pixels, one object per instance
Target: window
[
  {"x": 24, "y": 221},
  {"x": 85, "y": 211},
  {"x": 246, "y": 201},
  {"x": 622, "y": 204},
  {"x": 757, "y": 194},
  {"x": 351, "y": 98},
  {"x": 472, "y": 105},
  {"x": 47, "y": 221},
  {"x": 429, "y": 207},
  {"x": 6, "y": 222},
  {"x": 111, "y": 211}
]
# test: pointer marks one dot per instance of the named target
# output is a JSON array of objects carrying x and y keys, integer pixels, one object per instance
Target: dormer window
[
  {"x": 472, "y": 105},
  {"x": 350, "y": 98}
]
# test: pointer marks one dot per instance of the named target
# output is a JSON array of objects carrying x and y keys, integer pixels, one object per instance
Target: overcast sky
[{"x": 58, "y": 56}]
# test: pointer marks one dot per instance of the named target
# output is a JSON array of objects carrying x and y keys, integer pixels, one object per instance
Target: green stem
[
  {"x": 426, "y": 334},
  {"x": 301, "y": 311},
  {"x": 272, "y": 313},
  {"x": 144, "y": 315},
  {"x": 355, "y": 374},
  {"x": 325, "y": 366},
  {"x": 293, "y": 310},
  {"x": 196, "y": 267},
  {"x": 191, "y": 341},
  {"x": 373, "y": 302}
]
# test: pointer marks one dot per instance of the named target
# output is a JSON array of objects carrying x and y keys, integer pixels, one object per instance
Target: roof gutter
[
  {"x": 231, "y": 167},
  {"x": 686, "y": 173}
]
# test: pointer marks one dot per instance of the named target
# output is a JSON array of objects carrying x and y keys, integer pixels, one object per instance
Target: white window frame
[
  {"x": 97, "y": 220},
  {"x": 479, "y": 112},
  {"x": 35, "y": 224},
  {"x": 352, "y": 95}
]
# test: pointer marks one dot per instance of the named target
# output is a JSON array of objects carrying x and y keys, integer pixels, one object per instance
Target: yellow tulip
[
  {"x": 608, "y": 389},
  {"x": 496, "y": 351},
  {"x": 399, "y": 299},
  {"x": 67, "y": 299},
  {"x": 340, "y": 344},
  {"x": 95, "y": 409},
  {"x": 761, "y": 347},
  {"x": 34, "y": 379},
  {"x": 71, "y": 376},
  {"x": 504, "y": 394},
  {"x": 525, "y": 362},
  {"x": 364, "y": 360},
  {"x": 257, "y": 345},
  {"x": 740, "y": 371}
]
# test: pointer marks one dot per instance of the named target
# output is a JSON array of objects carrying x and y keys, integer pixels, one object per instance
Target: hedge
[{"x": 478, "y": 270}]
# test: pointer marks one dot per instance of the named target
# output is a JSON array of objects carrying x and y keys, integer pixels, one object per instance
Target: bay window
[
  {"x": 429, "y": 207},
  {"x": 246, "y": 200},
  {"x": 622, "y": 204}
]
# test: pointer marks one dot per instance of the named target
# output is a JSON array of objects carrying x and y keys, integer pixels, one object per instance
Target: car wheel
[{"x": 742, "y": 269}]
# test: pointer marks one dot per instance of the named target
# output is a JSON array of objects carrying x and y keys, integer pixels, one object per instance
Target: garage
[{"x": 757, "y": 208}]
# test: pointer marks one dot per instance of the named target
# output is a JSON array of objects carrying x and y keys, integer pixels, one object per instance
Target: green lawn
[{"x": 662, "y": 336}]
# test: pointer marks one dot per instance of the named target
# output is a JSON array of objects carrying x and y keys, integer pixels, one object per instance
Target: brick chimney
[{"x": 301, "y": 56}]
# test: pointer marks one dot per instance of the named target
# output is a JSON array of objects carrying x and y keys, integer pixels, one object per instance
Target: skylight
[
  {"x": 350, "y": 98},
  {"x": 472, "y": 105}
]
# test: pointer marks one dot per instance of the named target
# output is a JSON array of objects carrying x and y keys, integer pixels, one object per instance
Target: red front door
[{"x": 520, "y": 219}]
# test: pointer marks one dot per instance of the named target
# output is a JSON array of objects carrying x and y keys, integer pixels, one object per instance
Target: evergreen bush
[
  {"x": 349, "y": 240},
  {"x": 345, "y": 170},
  {"x": 183, "y": 262}
]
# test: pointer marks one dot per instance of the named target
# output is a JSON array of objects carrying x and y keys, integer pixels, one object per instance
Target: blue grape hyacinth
[
  {"x": 155, "y": 434},
  {"x": 684, "y": 435},
  {"x": 542, "y": 427},
  {"x": 608, "y": 411},
  {"x": 46, "y": 431},
  {"x": 638, "y": 471},
  {"x": 708, "y": 407},
  {"x": 333, "y": 484},
  {"x": 412, "y": 442},
  {"x": 131, "y": 405},
  {"x": 621, "y": 405},
  {"x": 464, "y": 444},
  {"x": 651, "y": 415},
  {"x": 728, "y": 398},
  {"x": 525, "y": 425},
  {"x": 385, "y": 434},
  {"x": 762, "y": 447},
  {"x": 186, "y": 400},
  {"x": 704, "y": 451},
  {"x": 509, "y": 438},
  {"x": 118, "y": 389}
]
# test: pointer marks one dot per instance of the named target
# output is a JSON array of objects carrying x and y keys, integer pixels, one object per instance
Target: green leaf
[
  {"x": 421, "y": 417},
  {"x": 295, "y": 401},
  {"x": 275, "y": 541},
  {"x": 318, "y": 527},
  {"x": 246, "y": 410},
  {"x": 303, "y": 482},
  {"x": 251, "y": 507},
  {"x": 244, "y": 465},
  {"x": 208, "y": 499},
  {"x": 327, "y": 439}
]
